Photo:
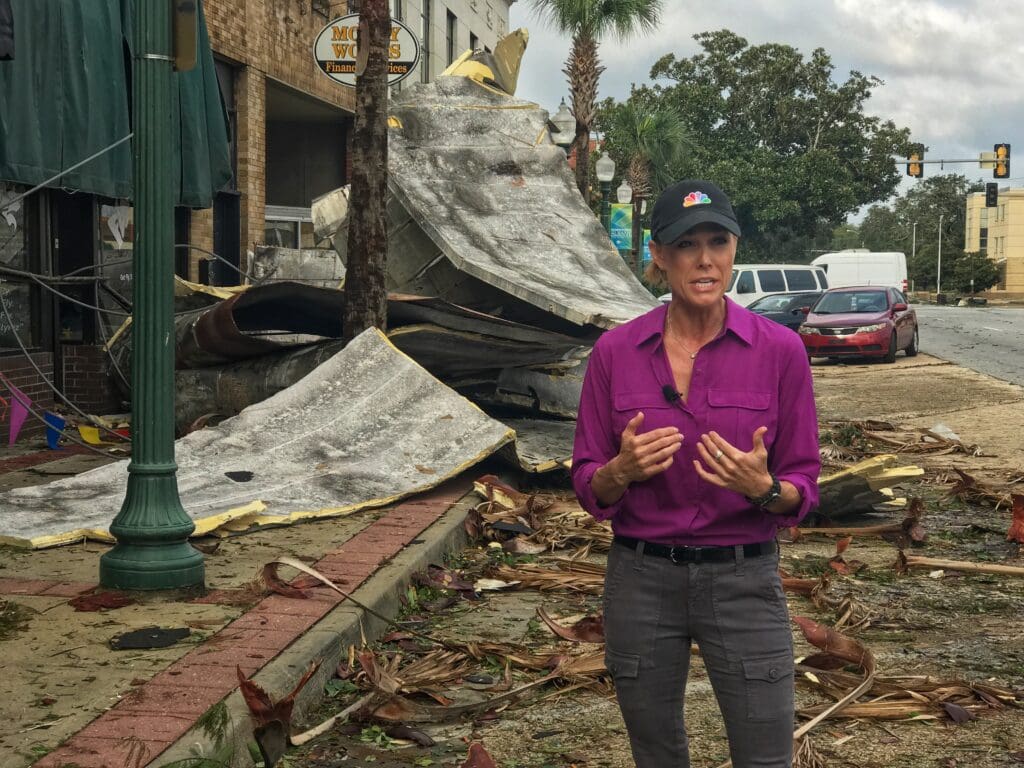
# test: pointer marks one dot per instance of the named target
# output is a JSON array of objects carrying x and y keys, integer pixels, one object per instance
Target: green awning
[{"x": 67, "y": 95}]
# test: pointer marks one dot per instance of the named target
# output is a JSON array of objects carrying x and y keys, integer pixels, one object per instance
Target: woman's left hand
[{"x": 731, "y": 468}]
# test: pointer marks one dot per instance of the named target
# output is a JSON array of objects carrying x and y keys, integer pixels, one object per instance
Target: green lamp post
[
  {"x": 605, "y": 169},
  {"x": 152, "y": 528}
]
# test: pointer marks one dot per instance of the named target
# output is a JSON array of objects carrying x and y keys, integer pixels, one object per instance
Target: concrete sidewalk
[{"x": 71, "y": 700}]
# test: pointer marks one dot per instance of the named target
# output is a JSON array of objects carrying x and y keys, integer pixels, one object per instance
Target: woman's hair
[{"x": 654, "y": 275}]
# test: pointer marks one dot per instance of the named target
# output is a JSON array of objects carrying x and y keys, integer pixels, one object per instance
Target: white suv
[{"x": 750, "y": 282}]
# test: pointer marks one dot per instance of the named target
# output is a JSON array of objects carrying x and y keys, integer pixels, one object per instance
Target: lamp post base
[
  {"x": 152, "y": 566},
  {"x": 152, "y": 530}
]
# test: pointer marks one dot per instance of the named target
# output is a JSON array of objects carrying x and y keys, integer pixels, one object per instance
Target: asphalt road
[{"x": 987, "y": 339}]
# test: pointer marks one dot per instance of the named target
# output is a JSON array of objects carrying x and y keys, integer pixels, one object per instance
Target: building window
[
  {"x": 19, "y": 315},
  {"x": 398, "y": 10},
  {"x": 983, "y": 241},
  {"x": 425, "y": 40},
  {"x": 451, "y": 35},
  {"x": 288, "y": 227},
  {"x": 474, "y": 41}
]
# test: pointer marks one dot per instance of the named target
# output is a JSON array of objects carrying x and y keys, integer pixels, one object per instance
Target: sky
[{"x": 953, "y": 70}]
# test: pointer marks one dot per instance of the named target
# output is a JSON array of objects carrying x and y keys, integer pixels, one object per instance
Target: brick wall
[
  {"x": 21, "y": 374},
  {"x": 87, "y": 382},
  {"x": 266, "y": 39},
  {"x": 200, "y": 234}
]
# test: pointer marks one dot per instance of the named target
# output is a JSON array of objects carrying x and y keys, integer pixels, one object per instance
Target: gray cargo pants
[{"x": 736, "y": 612}]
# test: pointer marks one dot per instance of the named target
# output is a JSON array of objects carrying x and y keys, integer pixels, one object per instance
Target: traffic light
[
  {"x": 991, "y": 195},
  {"x": 915, "y": 167},
  {"x": 1002, "y": 169}
]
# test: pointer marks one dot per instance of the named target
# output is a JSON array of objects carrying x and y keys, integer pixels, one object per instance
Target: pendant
[{"x": 693, "y": 355}]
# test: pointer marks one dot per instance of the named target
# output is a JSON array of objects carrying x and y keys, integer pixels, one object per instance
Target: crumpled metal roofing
[
  {"x": 367, "y": 427},
  {"x": 485, "y": 189}
]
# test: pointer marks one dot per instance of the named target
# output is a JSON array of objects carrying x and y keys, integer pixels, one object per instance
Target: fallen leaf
[
  {"x": 436, "y": 576},
  {"x": 518, "y": 546},
  {"x": 589, "y": 629},
  {"x": 1016, "y": 532},
  {"x": 264, "y": 711},
  {"x": 478, "y": 757},
  {"x": 101, "y": 601},
  {"x": 957, "y": 713},
  {"x": 272, "y": 740},
  {"x": 401, "y": 731},
  {"x": 936, "y": 574},
  {"x": 276, "y": 584},
  {"x": 492, "y": 585}
]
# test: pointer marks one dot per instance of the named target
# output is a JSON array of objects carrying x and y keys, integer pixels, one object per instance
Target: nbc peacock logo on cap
[{"x": 696, "y": 198}]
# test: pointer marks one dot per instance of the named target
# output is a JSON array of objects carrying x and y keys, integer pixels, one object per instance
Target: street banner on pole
[
  {"x": 647, "y": 246},
  {"x": 621, "y": 226}
]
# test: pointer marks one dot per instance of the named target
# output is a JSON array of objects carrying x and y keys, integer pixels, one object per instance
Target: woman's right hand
[{"x": 642, "y": 456}]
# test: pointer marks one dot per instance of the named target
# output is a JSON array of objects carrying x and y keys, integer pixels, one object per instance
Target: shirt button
[{"x": 773, "y": 673}]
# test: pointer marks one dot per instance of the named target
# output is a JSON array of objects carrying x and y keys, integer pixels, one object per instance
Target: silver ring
[{"x": 719, "y": 454}]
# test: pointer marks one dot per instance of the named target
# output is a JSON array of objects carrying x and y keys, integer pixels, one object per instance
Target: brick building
[{"x": 288, "y": 133}]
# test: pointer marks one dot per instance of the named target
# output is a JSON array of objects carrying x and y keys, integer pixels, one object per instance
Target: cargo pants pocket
[{"x": 769, "y": 684}]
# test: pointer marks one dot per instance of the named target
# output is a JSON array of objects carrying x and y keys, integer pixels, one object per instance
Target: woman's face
[{"x": 698, "y": 265}]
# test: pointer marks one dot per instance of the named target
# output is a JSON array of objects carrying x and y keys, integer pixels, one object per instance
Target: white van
[
  {"x": 862, "y": 267},
  {"x": 751, "y": 282}
]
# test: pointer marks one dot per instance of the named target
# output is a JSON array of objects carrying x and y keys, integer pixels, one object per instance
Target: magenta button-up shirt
[{"x": 754, "y": 373}]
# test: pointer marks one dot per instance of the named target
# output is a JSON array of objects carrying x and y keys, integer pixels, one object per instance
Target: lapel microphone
[{"x": 670, "y": 394}]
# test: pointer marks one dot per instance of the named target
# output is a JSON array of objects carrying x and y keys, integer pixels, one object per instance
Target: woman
[{"x": 697, "y": 436}]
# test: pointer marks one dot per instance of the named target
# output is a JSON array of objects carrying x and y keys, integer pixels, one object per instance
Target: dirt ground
[{"x": 940, "y": 623}]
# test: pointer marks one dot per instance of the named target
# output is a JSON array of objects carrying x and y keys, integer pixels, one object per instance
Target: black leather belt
[{"x": 698, "y": 554}]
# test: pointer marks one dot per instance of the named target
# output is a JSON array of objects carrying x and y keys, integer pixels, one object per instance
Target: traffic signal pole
[{"x": 998, "y": 160}]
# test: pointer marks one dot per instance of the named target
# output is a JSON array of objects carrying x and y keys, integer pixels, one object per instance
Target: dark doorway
[
  {"x": 73, "y": 224},
  {"x": 226, "y": 243}
]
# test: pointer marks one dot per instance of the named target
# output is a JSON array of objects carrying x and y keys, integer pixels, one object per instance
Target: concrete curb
[{"x": 327, "y": 641}]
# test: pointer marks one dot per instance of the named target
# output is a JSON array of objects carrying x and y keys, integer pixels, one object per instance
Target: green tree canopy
[
  {"x": 589, "y": 21},
  {"x": 794, "y": 148}
]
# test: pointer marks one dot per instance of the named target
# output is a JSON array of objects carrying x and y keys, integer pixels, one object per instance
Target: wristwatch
[{"x": 773, "y": 493}]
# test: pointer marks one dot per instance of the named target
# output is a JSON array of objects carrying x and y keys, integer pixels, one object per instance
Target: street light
[
  {"x": 938, "y": 276},
  {"x": 152, "y": 528},
  {"x": 565, "y": 127},
  {"x": 624, "y": 194},
  {"x": 605, "y": 169}
]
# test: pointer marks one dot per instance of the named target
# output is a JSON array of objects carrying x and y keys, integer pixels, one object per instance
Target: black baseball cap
[{"x": 688, "y": 203}]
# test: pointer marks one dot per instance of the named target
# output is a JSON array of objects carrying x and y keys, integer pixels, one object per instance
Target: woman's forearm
[{"x": 608, "y": 484}]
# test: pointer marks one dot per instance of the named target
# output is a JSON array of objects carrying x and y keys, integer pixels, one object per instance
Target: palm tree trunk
[
  {"x": 583, "y": 71},
  {"x": 366, "y": 267}
]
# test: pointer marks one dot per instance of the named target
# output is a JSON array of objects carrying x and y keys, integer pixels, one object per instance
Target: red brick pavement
[{"x": 151, "y": 717}]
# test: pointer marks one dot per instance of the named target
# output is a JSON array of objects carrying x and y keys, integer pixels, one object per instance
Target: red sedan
[{"x": 861, "y": 322}]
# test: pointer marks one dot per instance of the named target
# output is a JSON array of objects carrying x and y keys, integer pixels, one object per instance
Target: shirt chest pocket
[
  {"x": 657, "y": 411},
  {"x": 735, "y": 414}
]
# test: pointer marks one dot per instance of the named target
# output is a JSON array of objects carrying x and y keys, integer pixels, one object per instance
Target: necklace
[{"x": 672, "y": 330}]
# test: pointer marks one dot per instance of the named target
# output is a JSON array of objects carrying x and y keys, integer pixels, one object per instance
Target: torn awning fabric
[{"x": 67, "y": 95}]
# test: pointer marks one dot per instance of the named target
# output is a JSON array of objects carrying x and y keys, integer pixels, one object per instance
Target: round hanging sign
[{"x": 336, "y": 50}]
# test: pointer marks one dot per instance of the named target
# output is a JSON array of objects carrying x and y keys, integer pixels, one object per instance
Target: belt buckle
[{"x": 672, "y": 555}]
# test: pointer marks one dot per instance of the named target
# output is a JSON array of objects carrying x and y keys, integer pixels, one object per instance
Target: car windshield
[
  {"x": 852, "y": 302},
  {"x": 777, "y": 303}
]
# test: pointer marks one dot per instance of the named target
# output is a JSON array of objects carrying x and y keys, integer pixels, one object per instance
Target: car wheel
[
  {"x": 890, "y": 356},
  {"x": 912, "y": 350}
]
